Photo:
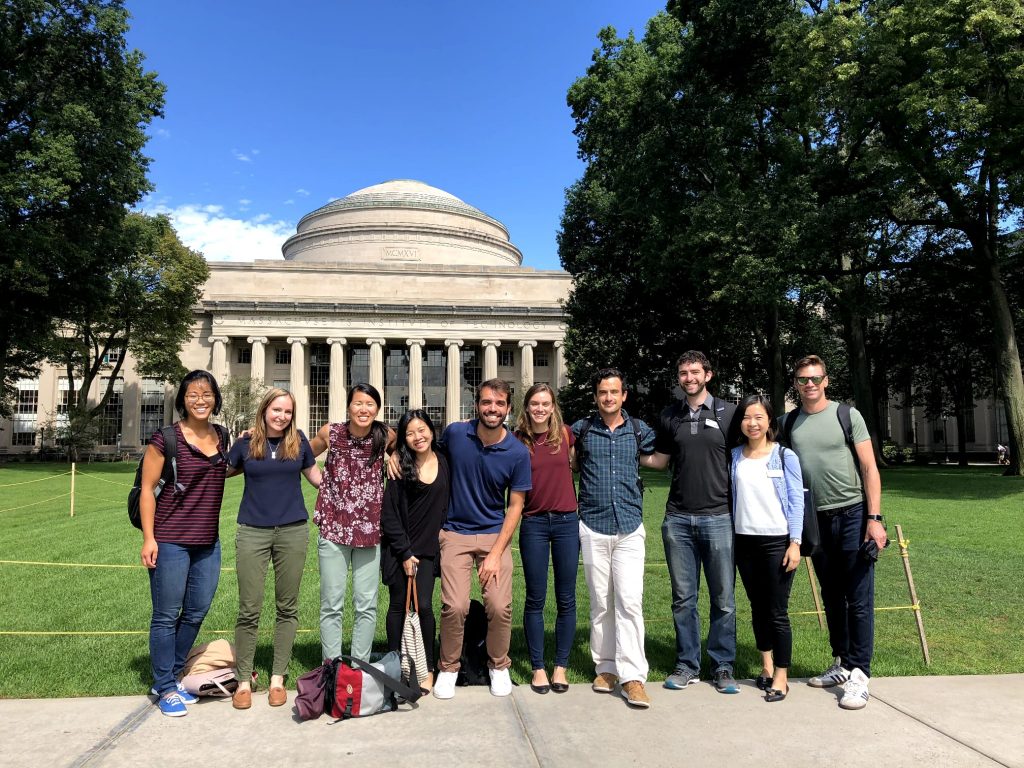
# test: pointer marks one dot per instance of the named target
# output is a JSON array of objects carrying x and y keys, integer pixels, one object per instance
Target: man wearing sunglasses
[{"x": 847, "y": 488}]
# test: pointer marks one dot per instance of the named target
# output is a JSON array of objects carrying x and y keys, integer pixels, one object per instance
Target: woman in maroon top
[
  {"x": 180, "y": 544},
  {"x": 550, "y": 524},
  {"x": 348, "y": 515}
]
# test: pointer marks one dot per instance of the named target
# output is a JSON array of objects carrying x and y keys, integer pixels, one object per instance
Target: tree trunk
[
  {"x": 776, "y": 366},
  {"x": 961, "y": 434}
]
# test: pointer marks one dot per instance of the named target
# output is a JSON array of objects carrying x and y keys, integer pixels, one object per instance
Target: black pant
[
  {"x": 767, "y": 583},
  {"x": 396, "y": 609}
]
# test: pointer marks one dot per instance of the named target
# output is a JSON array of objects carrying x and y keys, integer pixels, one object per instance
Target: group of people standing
[{"x": 452, "y": 507}]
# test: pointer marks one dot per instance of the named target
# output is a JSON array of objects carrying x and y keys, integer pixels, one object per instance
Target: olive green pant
[{"x": 285, "y": 546}]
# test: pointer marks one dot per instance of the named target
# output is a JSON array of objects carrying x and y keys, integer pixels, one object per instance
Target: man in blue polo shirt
[{"x": 488, "y": 464}]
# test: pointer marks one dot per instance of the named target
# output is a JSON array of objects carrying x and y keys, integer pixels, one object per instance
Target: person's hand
[
  {"x": 149, "y": 553},
  {"x": 877, "y": 532},
  {"x": 792, "y": 557},
  {"x": 489, "y": 568},
  {"x": 410, "y": 566},
  {"x": 394, "y": 466}
]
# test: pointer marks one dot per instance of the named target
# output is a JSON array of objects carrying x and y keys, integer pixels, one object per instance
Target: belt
[{"x": 840, "y": 510}]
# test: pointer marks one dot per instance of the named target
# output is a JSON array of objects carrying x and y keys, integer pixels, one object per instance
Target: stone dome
[{"x": 401, "y": 221}]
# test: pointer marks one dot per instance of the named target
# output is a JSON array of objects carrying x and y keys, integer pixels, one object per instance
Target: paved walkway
[{"x": 912, "y": 721}]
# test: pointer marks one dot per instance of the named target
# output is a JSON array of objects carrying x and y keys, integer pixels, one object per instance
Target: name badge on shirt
[
  {"x": 776, "y": 473},
  {"x": 711, "y": 423}
]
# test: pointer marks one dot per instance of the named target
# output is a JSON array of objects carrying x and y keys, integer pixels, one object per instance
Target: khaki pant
[{"x": 460, "y": 556}]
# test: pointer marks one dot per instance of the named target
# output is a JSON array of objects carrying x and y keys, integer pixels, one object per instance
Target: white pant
[{"x": 614, "y": 569}]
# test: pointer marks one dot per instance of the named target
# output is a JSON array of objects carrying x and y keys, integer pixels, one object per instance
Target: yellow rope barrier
[
  {"x": 103, "y": 633},
  {"x": 36, "y": 503},
  {"x": 80, "y": 473},
  {"x": 37, "y": 480}
]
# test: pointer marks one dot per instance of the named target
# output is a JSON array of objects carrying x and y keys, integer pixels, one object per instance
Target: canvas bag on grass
[
  {"x": 210, "y": 670},
  {"x": 412, "y": 652}
]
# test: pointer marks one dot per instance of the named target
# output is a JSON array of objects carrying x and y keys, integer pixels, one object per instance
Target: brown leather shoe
[
  {"x": 241, "y": 699},
  {"x": 635, "y": 695},
  {"x": 278, "y": 697},
  {"x": 605, "y": 682}
]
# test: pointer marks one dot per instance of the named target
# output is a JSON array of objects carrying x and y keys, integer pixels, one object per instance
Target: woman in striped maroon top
[{"x": 180, "y": 544}]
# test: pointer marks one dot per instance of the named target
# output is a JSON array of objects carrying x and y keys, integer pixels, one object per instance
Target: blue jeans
[
  {"x": 559, "y": 533},
  {"x": 182, "y": 586},
  {"x": 690, "y": 542},
  {"x": 847, "y": 588}
]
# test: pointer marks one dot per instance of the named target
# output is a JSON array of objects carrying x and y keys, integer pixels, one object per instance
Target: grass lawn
[{"x": 74, "y": 603}]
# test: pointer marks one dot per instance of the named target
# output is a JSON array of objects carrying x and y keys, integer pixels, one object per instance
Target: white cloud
[
  {"x": 245, "y": 202},
  {"x": 255, "y": 151},
  {"x": 241, "y": 156},
  {"x": 163, "y": 133},
  {"x": 303, "y": 192},
  {"x": 289, "y": 201},
  {"x": 222, "y": 238}
]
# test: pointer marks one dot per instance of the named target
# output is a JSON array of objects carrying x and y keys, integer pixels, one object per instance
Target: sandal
[
  {"x": 774, "y": 694},
  {"x": 762, "y": 683}
]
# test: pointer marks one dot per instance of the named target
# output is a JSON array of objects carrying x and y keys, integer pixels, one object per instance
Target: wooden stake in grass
[
  {"x": 914, "y": 604},
  {"x": 72, "y": 489},
  {"x": 814, "y": 594}
]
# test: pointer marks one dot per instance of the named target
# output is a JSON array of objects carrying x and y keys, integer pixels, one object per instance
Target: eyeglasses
[
  {"x": 804, "y": 380},
  {"x": 206, "y": 397}
]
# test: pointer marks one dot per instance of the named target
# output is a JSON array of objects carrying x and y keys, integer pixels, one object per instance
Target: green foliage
[
  {"x": 241, "y": 395},
  {"x": 74, "y": 102}
]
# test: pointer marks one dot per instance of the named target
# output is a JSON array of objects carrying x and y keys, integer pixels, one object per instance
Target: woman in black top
[{"x": 414, "y": 511}]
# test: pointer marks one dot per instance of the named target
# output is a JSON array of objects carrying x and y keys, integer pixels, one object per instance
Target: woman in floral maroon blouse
[{"x": 348, "y": 515}]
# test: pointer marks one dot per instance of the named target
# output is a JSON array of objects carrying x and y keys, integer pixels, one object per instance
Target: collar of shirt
[
  {"x": 501, "y": 445},
  {"x": 707, "y": 403}
]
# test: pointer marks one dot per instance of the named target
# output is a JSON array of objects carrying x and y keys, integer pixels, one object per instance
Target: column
[
  {"x": 526, "y": 363},
  {"x": 415, "y": 372},
  {"x": 336, "y": 396},
  {"x": 297, "y": 383},
  {"x": 258, "y": 368},
  {"x": 219, "y": 364},
  {"x": 490, "y": 358},
  {"x": 377, "y": 369},
  {"x": 559, "y": 365},
  {"x": 453, "y": 384}
]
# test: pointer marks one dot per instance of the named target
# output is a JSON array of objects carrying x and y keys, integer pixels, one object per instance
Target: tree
[
  {"x": 241, "y": 396},
  {"x": 146, "y": 308},
  {"x": 74, "y": 103}
]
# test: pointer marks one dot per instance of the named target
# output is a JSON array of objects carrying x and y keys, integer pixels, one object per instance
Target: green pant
[
  {"x": 335, "y": 561},
  {"x": 255, "y": 547}
]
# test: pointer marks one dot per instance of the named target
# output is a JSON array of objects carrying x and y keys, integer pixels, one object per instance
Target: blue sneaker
[
  {"x": 186, "y": 697},
  {"x": 724, "y": 681},
  {"x": 172, "y": 705},
  {"x": 681, "y": 678}
]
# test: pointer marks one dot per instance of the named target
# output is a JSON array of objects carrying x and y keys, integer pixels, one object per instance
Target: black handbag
[{"x": 810, "y": 539}]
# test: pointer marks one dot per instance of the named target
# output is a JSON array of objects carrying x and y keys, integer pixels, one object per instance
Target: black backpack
[
  {"x": 843, "y": 414},
  {"x": 169, "y": 474},
  {"x": 473, "y": 663}
]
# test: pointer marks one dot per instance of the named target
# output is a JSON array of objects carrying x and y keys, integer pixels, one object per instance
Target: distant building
[{"x": 400, "y": 284}]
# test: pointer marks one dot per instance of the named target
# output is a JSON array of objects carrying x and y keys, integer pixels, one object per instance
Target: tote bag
[{"x": 412, "y": 652}]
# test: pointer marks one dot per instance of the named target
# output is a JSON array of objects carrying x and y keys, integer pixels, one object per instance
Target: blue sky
[{"x": 274, "y": 109}]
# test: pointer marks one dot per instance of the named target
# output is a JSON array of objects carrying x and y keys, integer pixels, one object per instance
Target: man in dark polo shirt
[{"x": 698, "y": 531}]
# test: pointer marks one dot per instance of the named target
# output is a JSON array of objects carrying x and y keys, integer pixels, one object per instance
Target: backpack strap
[
  {"x": 386, "y": 681},
  {"x": 843, "y": 414},
  {"x": 581, "y": 440},
  {"x": 788, "y": 421},
  {"x": 170, "y": 470}
]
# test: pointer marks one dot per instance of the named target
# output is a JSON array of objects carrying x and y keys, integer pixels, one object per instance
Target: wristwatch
[
  {"x": 879, "y": 518},
  {"x": 798, "y": 542}
]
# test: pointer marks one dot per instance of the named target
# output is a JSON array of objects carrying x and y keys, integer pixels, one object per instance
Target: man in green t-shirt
[{"x": 849, "y": 515}]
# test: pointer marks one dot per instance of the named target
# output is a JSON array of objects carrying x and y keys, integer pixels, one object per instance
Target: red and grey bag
[{"x": 353, "y": 689}]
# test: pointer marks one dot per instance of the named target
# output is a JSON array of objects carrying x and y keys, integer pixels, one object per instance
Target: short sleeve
[
  {"x": 305, "y": 451},
  {"x": 157, "y": 440},
  {"x": 576, "y": 428},
  {"x": 647, "y": 438},
  {"x": 664, "y": 441},
  {"x": 860, "y": 428},
  {"x": 238, "y": 453},
  {"x": 522, "y": 479}
]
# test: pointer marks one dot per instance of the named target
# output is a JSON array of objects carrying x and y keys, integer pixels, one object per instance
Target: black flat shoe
[
  {"x": 773, "y": 694},
  {"x": 560, "y": 687},
  {"x": 762, "y": 683},
  {"x": 540, "y": 688}
]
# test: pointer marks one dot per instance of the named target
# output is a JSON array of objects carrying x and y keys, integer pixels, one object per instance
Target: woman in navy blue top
[{"x": 271, "y": 527}]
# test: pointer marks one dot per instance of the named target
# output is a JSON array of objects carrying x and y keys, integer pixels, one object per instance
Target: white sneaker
[
  {"x": 501, "y": 683},
  {"x": 444, "y": 686},
  {"x": 855, "y": 691},
  {"x": 834, "y": 675}
]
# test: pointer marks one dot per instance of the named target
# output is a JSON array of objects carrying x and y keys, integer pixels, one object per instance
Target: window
[
  {"x": 396, "y": 385},
  {"x": 151, "y": 412},
  {"x": 67, "y": 390},
  {"x": 319, "y": 386},
  {"x": 358, "y": 364},
  {"x": 283, "y": 356},
  {"x": 26, "y": 409},
  {"x": 472, "y": 375},
  {"x": 113, "y": 411},
  {"x": 112, "y": 356},
  {"x": 435, "y": 382},
  {"x": 505, "y": 358},
  {"x": 245, "y": 356},
  {"x": 540, "y": 360},
  {"x": 283, "y": 384}
]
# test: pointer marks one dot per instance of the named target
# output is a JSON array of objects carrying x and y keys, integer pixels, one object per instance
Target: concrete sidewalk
[{"x": 941, "y": 721}]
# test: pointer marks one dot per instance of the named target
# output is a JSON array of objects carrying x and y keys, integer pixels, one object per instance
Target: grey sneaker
[
  {"x": 855, "y": 691},
  {"x": 724, "y": 682},
  {"x": 681, "y": 678},
  {"x": 834, "y": 675}
]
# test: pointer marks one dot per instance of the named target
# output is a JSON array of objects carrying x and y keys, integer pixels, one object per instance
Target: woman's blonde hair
[
  {"x": 524, "y": 428},
  {"x": 289, "y": 447}
]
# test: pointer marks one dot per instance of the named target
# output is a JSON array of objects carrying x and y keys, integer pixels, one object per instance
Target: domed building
[{"x": 400, "y": 284}]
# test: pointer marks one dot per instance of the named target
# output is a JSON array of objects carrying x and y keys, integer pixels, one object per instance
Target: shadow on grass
[{"x": 948, "y": 483}]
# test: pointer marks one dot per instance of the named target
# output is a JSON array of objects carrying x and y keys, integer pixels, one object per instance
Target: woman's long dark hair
[
  {"x": 198, "y": 375},
  {"x": 406, "y": 456},
  {"x": 378, "y": 432}
]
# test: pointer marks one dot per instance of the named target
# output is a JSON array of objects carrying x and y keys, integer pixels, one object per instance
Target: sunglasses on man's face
[{"x": 804, "y": 380}]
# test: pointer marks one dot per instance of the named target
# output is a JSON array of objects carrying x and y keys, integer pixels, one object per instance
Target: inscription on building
[{"x": 401, "y": 254}]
